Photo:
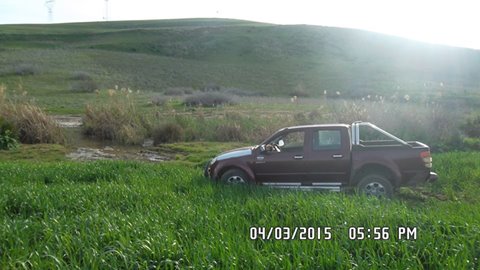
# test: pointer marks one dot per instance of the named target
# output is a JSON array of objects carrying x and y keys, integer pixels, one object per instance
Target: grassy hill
[{"x": 264, "y": 58}]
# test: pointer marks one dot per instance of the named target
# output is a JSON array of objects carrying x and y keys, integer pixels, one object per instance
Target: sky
[{"x": 454, "y": 23}]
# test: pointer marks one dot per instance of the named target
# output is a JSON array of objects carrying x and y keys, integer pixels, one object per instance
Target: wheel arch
[{"x": 375, "y": 168}]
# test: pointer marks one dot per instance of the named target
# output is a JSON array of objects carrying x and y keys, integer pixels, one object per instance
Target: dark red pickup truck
[{"x": 332, "y": 157}]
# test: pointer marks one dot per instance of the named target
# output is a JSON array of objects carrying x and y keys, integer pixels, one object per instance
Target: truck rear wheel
[
  {"x": 375, "y": 185},
  {"x": 235, "y": 176}
]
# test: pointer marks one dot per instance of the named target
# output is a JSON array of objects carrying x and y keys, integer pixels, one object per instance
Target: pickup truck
[{"x": 332, "y": 157}]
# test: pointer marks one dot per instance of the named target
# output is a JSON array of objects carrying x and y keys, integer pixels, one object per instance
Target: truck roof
[{"x": 315, "y": 126}]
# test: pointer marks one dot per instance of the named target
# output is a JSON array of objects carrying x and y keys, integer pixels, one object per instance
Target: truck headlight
[{"x": 212, "y": 161}]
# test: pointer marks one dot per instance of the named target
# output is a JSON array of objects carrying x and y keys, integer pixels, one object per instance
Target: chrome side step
[{"x": 333, "y": 187}]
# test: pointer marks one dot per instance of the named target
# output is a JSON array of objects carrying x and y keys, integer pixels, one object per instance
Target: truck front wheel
[
  {"x": 235, "y": 176},
  {"x": 375, "y": 185}
]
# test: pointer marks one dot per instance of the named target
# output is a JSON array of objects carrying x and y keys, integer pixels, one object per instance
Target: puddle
[{"x": 67, "y": 121}]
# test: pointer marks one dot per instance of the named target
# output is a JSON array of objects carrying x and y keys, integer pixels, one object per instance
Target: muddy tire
[
  {"x": 235, "y": 177},
  {"x": 375, "y": 185}
]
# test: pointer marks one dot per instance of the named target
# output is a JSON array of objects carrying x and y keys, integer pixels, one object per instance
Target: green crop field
[
  {"x": 198, "y": 87},
  {"x": 126, "y": 215}
]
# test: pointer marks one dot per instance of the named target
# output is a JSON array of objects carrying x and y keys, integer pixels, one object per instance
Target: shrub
[
  {"x": 116, "y": 120},
  {"x": 472, "y": 126},
  {"x": 84, "y": 86},
  {"x": 207, "y": 100},
  {"x": 34, "y": 125},
  {"x": 472, "y": 143},
  {"x": 25, "y": 69},
  {"x": 159, "y": 100},
  {"x": 28, "y": 122},
  {"x": 7, "y": 136},
  {"x": 188, "y": 91},
  {"x": 229, "y": 132},
  {"x": 81, "y": 75},
  {"x": 167, "y": 133}
]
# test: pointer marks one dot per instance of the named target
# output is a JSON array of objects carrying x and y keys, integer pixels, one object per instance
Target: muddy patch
[
  {"x": 109, "y": 153},
  {"x": 84, "y": 153}
]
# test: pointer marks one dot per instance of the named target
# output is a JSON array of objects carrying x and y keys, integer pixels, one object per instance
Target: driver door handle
[
  {"x": 298, "y": 157},
  {"x": 337, "y": 156}
]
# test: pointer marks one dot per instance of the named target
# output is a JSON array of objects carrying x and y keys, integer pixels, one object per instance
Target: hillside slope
[{"x": 265, "y": 58}]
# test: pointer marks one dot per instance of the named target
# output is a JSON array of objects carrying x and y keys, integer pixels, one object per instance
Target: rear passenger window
[{"x": 326, "y": 140}]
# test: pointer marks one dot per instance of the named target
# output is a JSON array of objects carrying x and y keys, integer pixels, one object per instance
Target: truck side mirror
[{"x": 262, "y": 148}]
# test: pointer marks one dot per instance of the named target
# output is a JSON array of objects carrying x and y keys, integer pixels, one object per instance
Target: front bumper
[
  {"x": 432, "y": 177},
  {"x": 206, "y": 170}
]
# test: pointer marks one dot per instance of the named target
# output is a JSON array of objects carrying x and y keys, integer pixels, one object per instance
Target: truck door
[
  {"x": 327, "y": 161},
  {"x": 285, "y": 165}
]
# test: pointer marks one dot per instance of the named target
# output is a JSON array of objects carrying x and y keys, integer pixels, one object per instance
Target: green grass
[
  {"x": 198, "y": 153},
  {"x": 35, "y": 152},
  {"x": 267, "y": 59},
  {"x": 128, "y": 215}
]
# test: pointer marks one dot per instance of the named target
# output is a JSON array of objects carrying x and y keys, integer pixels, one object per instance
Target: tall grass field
[{"x": 127, "y": 215}]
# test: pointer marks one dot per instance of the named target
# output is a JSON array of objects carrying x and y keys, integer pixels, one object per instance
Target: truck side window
[
  {"x": 326, "y": 140},
  {"x": 293, "y": 141}
]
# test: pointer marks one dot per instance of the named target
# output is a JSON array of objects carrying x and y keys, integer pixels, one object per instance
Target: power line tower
[
  {"x": 49, "y": 4},
  {"x": 106, "y": 11}
]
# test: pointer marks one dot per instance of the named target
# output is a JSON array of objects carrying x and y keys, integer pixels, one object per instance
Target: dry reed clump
[
  {"x": 229, "y": 131},
  {"x": 116, "y": 119},
  {"x": 167, "y": 133},
  {"x": 31, "y": 123}
]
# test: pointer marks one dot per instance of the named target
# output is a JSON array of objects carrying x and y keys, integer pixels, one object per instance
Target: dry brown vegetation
[
  {"x": 167, "y": 133},
  {"x": 117, "y": 120},
  {"x": 31, "y": 124}
]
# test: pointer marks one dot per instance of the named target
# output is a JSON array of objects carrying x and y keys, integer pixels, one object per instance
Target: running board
[{"x": 333, "y": 187}]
